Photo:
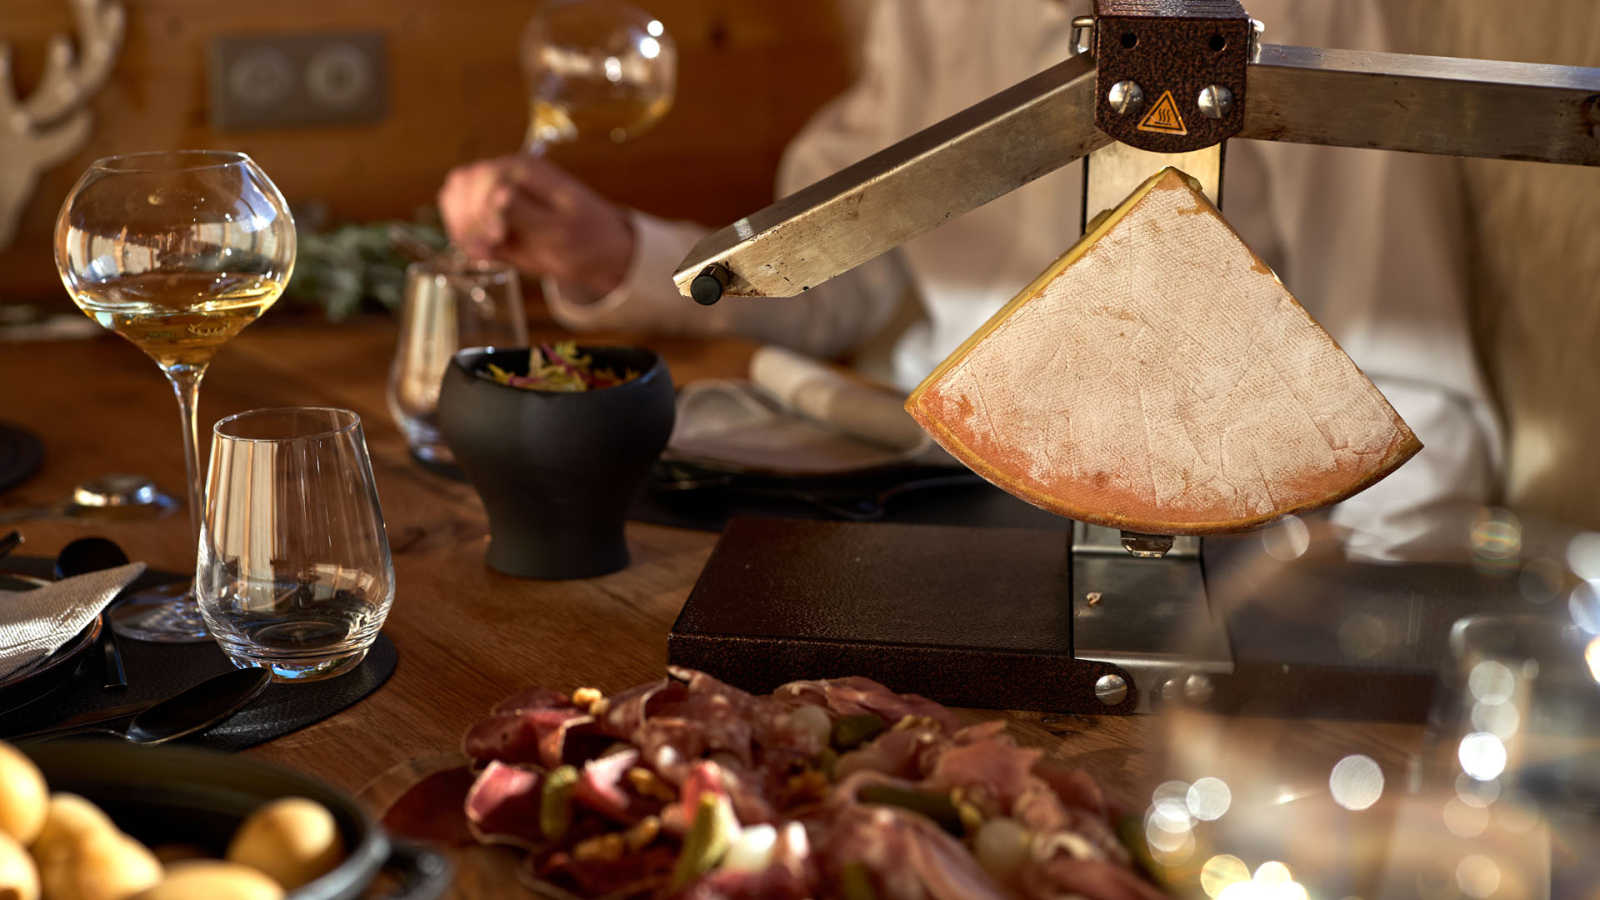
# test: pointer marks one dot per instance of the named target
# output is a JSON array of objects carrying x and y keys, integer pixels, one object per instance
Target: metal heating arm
[
  {"x": 1425, "y": 104},
  {"x": 939, "y": 173},
  {"x": 1495, "y": 110}
]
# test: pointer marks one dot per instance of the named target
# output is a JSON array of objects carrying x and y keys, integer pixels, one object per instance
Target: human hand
[{"x": 527, "y": 211}]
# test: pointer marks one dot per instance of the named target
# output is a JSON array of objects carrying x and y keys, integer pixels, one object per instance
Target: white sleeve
[
  {"x": 1374, "y": 244},
  {"x": 827, "y": 320}
]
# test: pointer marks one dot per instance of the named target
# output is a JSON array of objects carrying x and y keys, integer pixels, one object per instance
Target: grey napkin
[{"x": 33, "y": 624}]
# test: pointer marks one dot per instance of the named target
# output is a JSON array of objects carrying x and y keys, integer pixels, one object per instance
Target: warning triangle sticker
[{"x": 1164, "y": 118}]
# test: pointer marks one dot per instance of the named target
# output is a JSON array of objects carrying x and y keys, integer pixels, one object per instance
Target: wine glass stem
[{"x": 186, "y": 384}]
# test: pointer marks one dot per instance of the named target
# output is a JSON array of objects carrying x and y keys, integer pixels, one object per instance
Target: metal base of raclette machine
[
  {"x": 987, "y": 617},
  {"x": 1014, "y": 619}
]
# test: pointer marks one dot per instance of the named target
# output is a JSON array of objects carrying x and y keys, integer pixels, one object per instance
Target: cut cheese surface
[{"x": 1159, "y": 378}]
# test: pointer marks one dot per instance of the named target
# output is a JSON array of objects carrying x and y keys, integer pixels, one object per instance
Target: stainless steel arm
[
  {"x": 1463, "y": 107},
  {"x": 1425, "y": 104},
  {"x": 959, "y": 164}
]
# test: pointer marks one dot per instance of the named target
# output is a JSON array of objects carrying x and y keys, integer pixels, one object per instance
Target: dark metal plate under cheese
[
  {"x": 964, "y": 616},
  {"x": 1001, "y": 618}
]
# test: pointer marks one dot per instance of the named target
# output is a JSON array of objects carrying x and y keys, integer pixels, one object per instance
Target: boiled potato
[
  {"x": 100, "y": 865},
  {"x": 22, "y": 795},
  {"x": 19, "y": 880},
  {"x": 69, "y": 821},
  {"x": 211, "y": 879},
  {"x": 293, "y": 840}
]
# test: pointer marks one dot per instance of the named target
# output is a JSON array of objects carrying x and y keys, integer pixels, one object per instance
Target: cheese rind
[{"x": 1159, "y": 378}]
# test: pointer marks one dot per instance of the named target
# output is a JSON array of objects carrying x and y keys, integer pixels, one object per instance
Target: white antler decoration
[{"x": 54, "y": 121}]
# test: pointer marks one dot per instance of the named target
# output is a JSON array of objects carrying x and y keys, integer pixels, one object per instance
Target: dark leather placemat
[
  {"x": 20, "y": 455},
  {"x": 160, "y": 670}
]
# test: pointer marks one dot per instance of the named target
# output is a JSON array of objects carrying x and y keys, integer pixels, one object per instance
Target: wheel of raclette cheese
[{"x": 1158, "y": 378}]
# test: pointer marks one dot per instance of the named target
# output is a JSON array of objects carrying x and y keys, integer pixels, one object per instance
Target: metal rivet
[
  {"x": 1216, "y": 101},
  {"x": 1198, "y": 688},
  {"x": 1172, "y": 690},
  {"x": 707, "y": 287},
  {"x": 1111, "y": 689},
  {"x": 1125, "y": 97}
]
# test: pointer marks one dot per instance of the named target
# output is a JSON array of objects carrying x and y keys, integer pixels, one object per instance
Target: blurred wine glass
[
  {"x": 177, "y": 252},
  {"x": 596, "y": 69},
  {"x": 451, "y": 302},
  {"x": 1514, "y": 740}
]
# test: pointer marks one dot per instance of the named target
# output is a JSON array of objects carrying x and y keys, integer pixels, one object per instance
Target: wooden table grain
[{"x": 467, "y": 636}]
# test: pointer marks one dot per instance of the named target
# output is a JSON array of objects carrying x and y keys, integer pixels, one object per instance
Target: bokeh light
[
  {"x": 655, "y": 28},
  {"x": 1241, "y": 890},
  {"x": 1476, "y": 793},
  {"x": 1584, "y": 604},
  {"x": 1174, "y": 849},
  {"x": 1287, "y": 539},
  {"x": 1167, "y": 823},
  {"x": 1465, "y": 820},
  {"x": 1208, "y": 799},
  {"x": 1169, "y": 807},
  {"x": 1583, "y": 555},
  {"x": 1273, "y": 873},
  {"x": 1541, "y": 580},
  {"x": 1491, "y": 682},
  {"x": 1222, "y": 871},
  {"x": 1291, "y": 890},
  {"x": 1482, "y": 755},
  {"x": 1271, "y": 889},
  {"x": 1496, "y": 539},
  {"x": 1478, "y": 876},
  {"x": 1362, "y": 636},
  {"x": 1498, "y": 719},
  {"x": 1356, "y": 782},
  {"x": 1591, "y": 655}
]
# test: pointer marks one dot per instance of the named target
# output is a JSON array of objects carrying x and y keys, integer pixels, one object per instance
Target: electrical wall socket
[{"x": 274, "y": 81}]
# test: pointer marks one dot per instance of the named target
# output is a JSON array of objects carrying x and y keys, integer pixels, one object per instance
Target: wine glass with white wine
[
  {"x": 596, "y": 69},
  {"x": 177, "y": 252}
]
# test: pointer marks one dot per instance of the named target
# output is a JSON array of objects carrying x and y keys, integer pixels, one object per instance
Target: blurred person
[{"x": 1373, "y": 244}]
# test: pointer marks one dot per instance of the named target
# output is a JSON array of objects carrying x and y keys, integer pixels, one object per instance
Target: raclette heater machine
[{"x": 1106, "y": 622}]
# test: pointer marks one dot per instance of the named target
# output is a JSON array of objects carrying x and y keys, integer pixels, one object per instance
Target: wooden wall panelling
[{"x": 750, "y": 75}]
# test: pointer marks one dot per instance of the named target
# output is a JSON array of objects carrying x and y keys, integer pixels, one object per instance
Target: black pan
[
  {"x": 186, "y": 795},
  {"x": 48, "y": 674}
]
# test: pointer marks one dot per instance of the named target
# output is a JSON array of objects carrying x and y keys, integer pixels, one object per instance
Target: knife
[{"x": 88, "y": 719}]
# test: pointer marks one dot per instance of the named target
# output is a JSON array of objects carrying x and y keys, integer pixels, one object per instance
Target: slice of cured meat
[{"x": 1159, "y": 378}]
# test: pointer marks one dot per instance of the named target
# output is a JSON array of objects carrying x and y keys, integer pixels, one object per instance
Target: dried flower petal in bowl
[{"x": 560, "y": 368}]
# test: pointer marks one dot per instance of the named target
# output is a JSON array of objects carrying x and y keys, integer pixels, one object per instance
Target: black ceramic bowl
[
  {"x": 184, "y": 795},
  {"x": 556, "y": 472}
]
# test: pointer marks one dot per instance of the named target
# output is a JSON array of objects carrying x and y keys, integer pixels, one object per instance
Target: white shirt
[{"x": 1371, "y": 243}]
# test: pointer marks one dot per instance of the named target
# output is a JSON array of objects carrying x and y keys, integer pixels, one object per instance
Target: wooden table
[{"x": 467, "y": 636}]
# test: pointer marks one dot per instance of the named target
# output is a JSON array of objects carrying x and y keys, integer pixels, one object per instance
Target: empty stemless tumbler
[
  {"x": 294, "y": 572},
  {"x": 450, "y": 303}
]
